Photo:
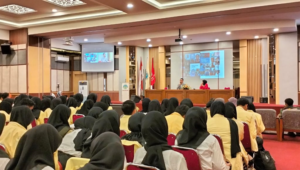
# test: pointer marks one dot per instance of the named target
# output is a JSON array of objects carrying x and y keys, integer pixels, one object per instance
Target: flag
[
  {"x": 153, "y": 75},
  {"x": 141, "y": 76}
]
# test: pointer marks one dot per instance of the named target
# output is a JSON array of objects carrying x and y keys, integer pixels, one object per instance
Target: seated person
[
  {"x": 72, "y": 104},
  {"x": 79, "y": 98},
  {"x": 208, "y": 148},
  {"x": 21, "y": 117},
  {"x": 208, "y": 105},
  {"x": 27, "y": 102},
  {"x": 145, "y": 104},
  {"x": 87, "y": 105},
  {"x": 134, "y": 125},
  {"x": 95, "y": 112},
  {"x": 248, "y": 117},
  {"x": 93, "y": 97},
  {"x": 187, "y": 102},
  {"x": 37, "y": 112},
  {"x": 46, "y": 108},
  {"x": 102, "y": 105},
  {"x": 128, "y": 109},
  {"x": 204, "y": 85},
  {"x": 5, "y": 109},
  {"x": 154, "y": 105},
  {"x": 55, "y": 102},
  {"x": 176, "y": 119},
  {"x": 59, "y": 119},
  {"x": 157, "y": 152},
  {"x": 181, "y": 84},
  {"x": 233, "y": 100},
  {"x": 36, "y": 148},
  {"x": 289, "y": 104},
  {"x": 260, "y": 127},
  {"x": 106, "y": 99}
]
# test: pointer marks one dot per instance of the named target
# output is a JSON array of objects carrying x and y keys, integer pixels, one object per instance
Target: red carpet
[{"x": 285, "y": 153}]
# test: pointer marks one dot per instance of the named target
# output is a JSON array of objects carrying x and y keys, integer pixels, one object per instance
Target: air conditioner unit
[{"x": 61, "y": 59}]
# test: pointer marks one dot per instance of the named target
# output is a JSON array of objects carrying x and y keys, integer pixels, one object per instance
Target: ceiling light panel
[
  {"x": 16, "y": 9},
  {"x": 66, "y": 3}
]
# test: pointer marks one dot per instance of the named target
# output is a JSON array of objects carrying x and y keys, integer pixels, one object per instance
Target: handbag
[{"x": 264, "y": 161}]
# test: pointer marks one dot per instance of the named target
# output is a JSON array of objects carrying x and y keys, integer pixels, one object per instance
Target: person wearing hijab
[
  {"x": 233, "y": 100},
  {"x": 208, "y": 105},
  {"x": 260, "y": 127},
  {"x": 37, "y": 110},
  {"x": 79, "y": 99},
  {"x": 108, "y": 121},
  {"x": 164, "y": 105},
  {"x": 9, "y": 100},
  {"x": 173, "y": 103},
  {"x": 59, "y": 119},
  {"x": 95, "y": 112},
  {"x": 55, "y": 102},
  {"x": 104, "y": 148},
  {"x": 154, "y": 105},
  {"x": 63, "y": 99},
  {"x": 5, "y": 109},
  {"x": 93, "y": 97},
  {"x": 35, "y": 149},
  {"x": 187, "y": 102},
  {"x": 156, "y": 151},
  {"x": 176, "y": 119},
  {"x": 106, "y": 99},
  {"x": 72, "y": 104},
  {"x": 220, "y": 99},
  {"x": 102, "y": 105},
  {"x": 20, "y": 118},
  {"x": 128, "y": 108},
  {"x": 227, "y": 129},
  {"x": 195, "y": 135},
  {"x": 46, "y": 108},
  {"x": 75, "y": 139},
  {"x": 2, "y": 123},
  {"x": 19, "y": 99},
  {"x": 87, "y": 105},
  {"x": 248, "y": 117},
  {"x": 145, "y": 104},
  {"x": 134, "y": 126}
]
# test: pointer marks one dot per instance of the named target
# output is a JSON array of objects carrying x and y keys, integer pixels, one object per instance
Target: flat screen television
[{"x": 5, "y": 49}]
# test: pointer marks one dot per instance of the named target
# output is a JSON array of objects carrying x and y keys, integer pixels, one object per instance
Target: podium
[{"x": 197, "y": 96}]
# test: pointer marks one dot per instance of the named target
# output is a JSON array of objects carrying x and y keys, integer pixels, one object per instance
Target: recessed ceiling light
[
  {"x": 181, "y": 43},
  {"x": 119, "y": 43},
  {"x": 54, "y": 10},
  {"x": 16, "y": 9},
  {"x": 129, "y": 5},
  {"x": 85, "y": 39},
  {"x": 216, "y": 40},
  {"x": 185, "y": 36},
  {"x": 66, "y": 3},
  {"x": 228, "y": 33},
  {"x": 256, "y": 37},
  {"x": 150, "y": 45},
  {"x": 148, "y": 40},
  {"x": 276, "y": 29}
]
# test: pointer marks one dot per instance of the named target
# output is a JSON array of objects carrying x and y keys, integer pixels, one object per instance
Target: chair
[
  {"x": 220, "y": 142},
  {"x": 2, "y": 147},
  {"x": 289, "y": 122},
  {"x": 129, "y": 152},
  {"x": 75, "y": 163},
  {"x": 77, "y": 116},
  {"x": 132, "y": 166},
  {"x": 33, "y": 123},
  {"x": 191, "y": 157},
  {"x": 122, "y": 133},
  {"x": 60, "y": 166},
  {"x": 247, "y": 139},
  {"x": 46, "y": 120},
  {"x": 268, "y": 117},
  {"x": 171, "y": 139}
]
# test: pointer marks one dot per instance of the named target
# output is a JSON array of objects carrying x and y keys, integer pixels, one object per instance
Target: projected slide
[
  {"x": 205, "y": 64},
  {"x": 104, "y": 57}
]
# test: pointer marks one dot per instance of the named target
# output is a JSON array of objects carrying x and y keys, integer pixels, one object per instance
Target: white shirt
[
  {"x": 210, "y": 155},
  {"x": 68, "y": 146},
  {"x": 173, "y": 160}
]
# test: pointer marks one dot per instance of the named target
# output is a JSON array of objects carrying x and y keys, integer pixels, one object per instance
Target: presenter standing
[
  {"x": 204, "y": 85},
  {"x": 181, "y": 84}
]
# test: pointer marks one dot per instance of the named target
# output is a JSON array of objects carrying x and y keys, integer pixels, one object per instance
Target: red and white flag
[
  {"x": 141, "y": 77},
  {"x": 153, "y": 79}
]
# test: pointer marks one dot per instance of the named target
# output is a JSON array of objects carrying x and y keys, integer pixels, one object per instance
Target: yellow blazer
[
  {"x": 136, "y": 144},
  {"x": 73, "y": 112},
  {"x": 7, "y": 116},
  {"x": 259, "y": 123},
  {"x": 175, "y": 122},
  {"x": 75, "y": 163},
  {"x": 124, "y": 123}
]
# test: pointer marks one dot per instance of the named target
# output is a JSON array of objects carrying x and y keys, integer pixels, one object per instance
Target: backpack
[{"x": 264, "y": 161}]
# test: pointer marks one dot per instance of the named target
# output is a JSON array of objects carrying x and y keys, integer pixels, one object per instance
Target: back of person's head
[
  {"x": 55, "y": 102},
  {"x": 204, "y": 82},
  {"x": 79, "y": 98},
  {"x": 289, "y": 102},
  {"x": 251, "y": 107},
  {"x": 102, "y": 105},
  {"x": 187, "y": 102},
  {"x": 233, "y": 100},
  {"x": 9, "y": 100},
  {"x": 106, "y": 99},
  {"x": 46, "y": 103},
  {"x": 4, "y": 95},
  {"x": 128, "y": 107},
  {"x": 208, "y": 104},
  {"x": 72, "y": 102},
  {"x": 182, "y": 109},
  {"x": 145, "y": 104},
  {"x": 27, "y": 102},
  {"x": 5, "y": 106},
  {"x": 243, "y": 102}
]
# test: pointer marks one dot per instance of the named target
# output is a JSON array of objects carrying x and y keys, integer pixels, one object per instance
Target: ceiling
[{"x": 110, "y": 21}]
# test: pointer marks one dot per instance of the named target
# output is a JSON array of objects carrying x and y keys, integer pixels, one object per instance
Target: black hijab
[
  {"x": 135, "y": 126},
  {"x": 102, "y": 105},
  {"x": 230, "y": 110},
  {"x": 37, "y": 107},
  {"x": 59, "y": 117},
  {"x": 155, "y": 133},
  {"x": 19, "y": 99},
  {"x": 106, "y": 99},
  {"x": 63, "y": 99},
  {"x": 9, "y": 100},
  {"x": 87, "y": 105},
  {"x": 93, "y": 97},
  {"x": 5, "y": 106},
  {"x": 95, "y": 112},
  {"x": 187, "y": 102},
  {"x": 46, "y": 103},
  {"x": 79, "y": 99},
  {"x": 55, "y": 102},
  {"x": 145, "y": 104},
  {"x": 218, "y": 107},
  {"x": 107, "y": 153},
  {"x": 154, "y": 105},
  {"x": 2, "y": 123},
  {"x": 36, "y": 147},
  {"x": 108, "y": 121},
  {"x": 72, "y": 102},
  {"x": 85, "y": 124},
  {"x": 21, "y": 115},
  {"x": 194, "y": 128},
  {"x": 164, "y": 105},
  {"x": 173, "y": 103}
]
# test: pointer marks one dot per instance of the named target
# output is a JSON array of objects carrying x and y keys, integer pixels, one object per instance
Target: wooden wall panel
[
  {"x": 243, "y": 68},
  {"x": 66, "y": 86},
  {"x": 5, "y": 78},
  {"x": 53, "y": 80},
  {"x": 33, "y": 70},
  {"x": 109, "y": 82},
  {"x": 22, "y": 78},
  {"x": 19, "y": 36},
  {"x": 116, "y": 81},
  {"x": 14, "y": 81},
  {"x": 46, "y": 69},
  {"x": 94, "y": 81},
  {"x": 100, "y": 82},
  {"x": 60, "y": 78},
  {"x": 76, "y": 77},
  {"x": 89, "y": 78}
]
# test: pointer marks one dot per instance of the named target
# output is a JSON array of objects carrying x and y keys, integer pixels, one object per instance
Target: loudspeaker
[
  {"x": 263, "y": 100},
  {"x": 249, "y": 98},
  {"x": 115, "y": 50},
  {"x": 135, "y": 98}
]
